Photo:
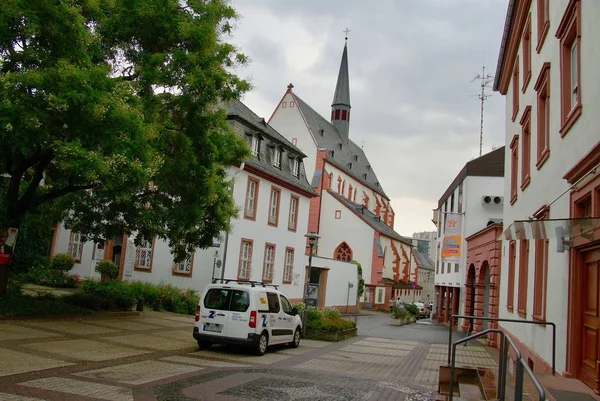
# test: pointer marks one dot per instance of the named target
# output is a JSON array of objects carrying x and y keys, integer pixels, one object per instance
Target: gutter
[{"x": 507, "y": 24}]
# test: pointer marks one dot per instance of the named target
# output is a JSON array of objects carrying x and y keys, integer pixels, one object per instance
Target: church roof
[
  {"x": 370, "y": 218},
  {"x": 423, "y": 260},
  {"x": 350, "y": 158},
  {"x": 239, "y": 111},
  {"x": 342, "y": 88}
]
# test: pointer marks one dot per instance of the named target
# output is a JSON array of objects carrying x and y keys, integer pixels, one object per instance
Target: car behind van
[{"x": 246, "y": 313}]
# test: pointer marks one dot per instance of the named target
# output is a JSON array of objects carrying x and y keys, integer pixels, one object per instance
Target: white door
[
  {"x": 239, "y": 314},
  {"x": 275, "y": 321},
  {"x": 287, "y": 319},
  {"x": 214, "y": 312}
]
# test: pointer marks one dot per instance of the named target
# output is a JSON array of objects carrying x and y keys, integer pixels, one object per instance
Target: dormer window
[
  {"x": 355, "y": 158},
  {"x": 322, "y": 132},
  {"x": 350, "y": 166},
  {"x": 277, "y": 157},
  {"x": 340, "y": 145},
  {"x": 254, "y": 145},
  {"x": 368, "y": 167},
  {"x": 365, "y": 176},
  {"x": 295, "y": 167},
  {"x": 332, "y": 153}
]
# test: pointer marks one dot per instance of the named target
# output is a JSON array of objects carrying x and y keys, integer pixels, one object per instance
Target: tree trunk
[{"x": 3, "y": 279}]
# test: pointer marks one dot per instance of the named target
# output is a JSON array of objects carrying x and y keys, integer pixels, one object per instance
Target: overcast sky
[{"x": 411, "y": 64}]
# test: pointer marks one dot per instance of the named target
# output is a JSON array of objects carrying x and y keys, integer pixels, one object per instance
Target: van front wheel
[
  {"x": 261, "y": 346},
  {"x": 296, "y": 342}
]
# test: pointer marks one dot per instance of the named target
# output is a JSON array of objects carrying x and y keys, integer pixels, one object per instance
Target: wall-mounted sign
[{"x": 8, "y": 240}]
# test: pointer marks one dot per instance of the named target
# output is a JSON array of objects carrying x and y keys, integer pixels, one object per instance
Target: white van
[{"x": 247, "y": 313}]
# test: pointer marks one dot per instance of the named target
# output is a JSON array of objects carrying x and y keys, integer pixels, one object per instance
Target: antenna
[{"x": 485, "y": 81}]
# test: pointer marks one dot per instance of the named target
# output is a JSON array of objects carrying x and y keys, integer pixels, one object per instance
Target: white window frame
[
  {"x": 295, "y": 167},
  {"x": 269, "y": 262},
  {"x": 292, "y": 217},
  {"x": 143, "y": 256},
  {"x": 245, "y": 263},
  {"x": 274, "y": 206},
  {"x": 76, "y": 247},
  {"x": 574, "y": 68},
  {"x": 185, "y": 266},
  {"x": 277, "y": 157},
  {"x": 250, "y": 207},
  {"x": 380, "y": 295},
  {"x": 288, "y": 267},
  {"x": 254, "y": 145}
]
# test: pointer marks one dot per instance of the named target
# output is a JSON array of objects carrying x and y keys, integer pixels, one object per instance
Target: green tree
[
  {"x": 361, "y": 281},
  {"x": 109, "y": 116}
]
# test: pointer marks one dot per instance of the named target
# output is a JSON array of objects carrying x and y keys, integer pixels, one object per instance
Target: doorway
[{"x": 589, "y": 367}]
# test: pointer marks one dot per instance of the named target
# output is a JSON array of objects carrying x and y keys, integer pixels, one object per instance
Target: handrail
[
  {"x": 538, "y": 386},
  {"x": 452, "y": 363},
  {"x": 502, "y": 368},
  {"x": 495, "y": 319}
]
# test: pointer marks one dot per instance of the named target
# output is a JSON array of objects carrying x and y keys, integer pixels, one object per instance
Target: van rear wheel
[
  {"x": 203, "y": 344},
  {"x": 296, "y": 341},
  {"x": 261, "y": 346}
]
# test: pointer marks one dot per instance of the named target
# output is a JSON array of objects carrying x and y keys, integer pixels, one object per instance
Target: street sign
[
  {"x": 216, "y": 245},
  {"x": 219, "y": 264}
]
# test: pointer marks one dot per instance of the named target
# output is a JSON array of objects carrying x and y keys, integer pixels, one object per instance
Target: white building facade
[
  {"x": 475, "y": 197},
  {"x": 548, "y": 71}
]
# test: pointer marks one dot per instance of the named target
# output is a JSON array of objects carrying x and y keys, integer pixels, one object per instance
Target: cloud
[{"x": 411, "y": 62}]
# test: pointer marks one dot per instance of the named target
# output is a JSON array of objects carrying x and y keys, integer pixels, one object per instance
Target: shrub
[
  {"x": 398, "y": 311},
  {"x": 331, "y": 313},
  {"x": 104, "y": 295},
  {"x": 62, "y": 262},
  {"x": 44, "y": 275},
  {"x": 411, "y": 308},
  {"x": 179, "y": 301},
  {"x": 107, "y": 269},
  {"x": 331, "y": 324},
  {"x": 14, "y": 303}
]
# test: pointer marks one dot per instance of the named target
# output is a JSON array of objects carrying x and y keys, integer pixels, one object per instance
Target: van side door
[
  {"x": 287, "y": 319},
  {"x": 275, "y": 321}
]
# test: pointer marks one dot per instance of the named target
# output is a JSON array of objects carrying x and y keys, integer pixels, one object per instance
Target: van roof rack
[{"x": 250, "y": 282}]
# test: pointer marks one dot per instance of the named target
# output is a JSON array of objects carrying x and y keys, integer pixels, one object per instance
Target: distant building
[
  {"x": 426, "y": 276},
  {"x": 473, "y": 201},
  {"x": 427, "y": 243}
]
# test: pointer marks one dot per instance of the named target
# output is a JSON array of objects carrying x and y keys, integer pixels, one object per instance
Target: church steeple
[{"x": 340, "y": 108}]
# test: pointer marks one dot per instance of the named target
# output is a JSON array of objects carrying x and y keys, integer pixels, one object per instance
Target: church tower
[{"x": 340, "y": 108}]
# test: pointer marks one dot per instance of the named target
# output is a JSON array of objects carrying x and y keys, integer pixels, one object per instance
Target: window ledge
[
  {"x": 143, "y": 269},
  {"x": 510, "y": 309},
  {"x": 522, "y": 313},
  {"x": 542, "y": 36},
  {"x": 513, "y": 199},
  {"x": 571, "y": 119},
  {"x": 542, "y": 159},
  {"x": 538, "y": 318},
  {"x": 253, "y": 218},
  {"x": 515, "y": 113},
  {"x": 181, "y": 274},
  {"x": 525, "y": 182},
  {"x": 526, "y": 80}
]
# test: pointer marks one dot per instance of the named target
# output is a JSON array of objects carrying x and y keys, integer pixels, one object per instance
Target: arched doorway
[
  {"x": 483, "y": 282},
  {"x": 469, "y": 298}
]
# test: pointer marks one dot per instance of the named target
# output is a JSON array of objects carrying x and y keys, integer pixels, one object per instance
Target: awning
[{"x": 566, "y": 229}]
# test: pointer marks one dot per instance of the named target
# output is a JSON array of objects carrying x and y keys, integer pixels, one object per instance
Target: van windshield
[{"x": 226, "y": 299}]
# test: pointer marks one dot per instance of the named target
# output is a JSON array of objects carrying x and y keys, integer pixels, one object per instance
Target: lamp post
[{"x": 313, "y": 238}]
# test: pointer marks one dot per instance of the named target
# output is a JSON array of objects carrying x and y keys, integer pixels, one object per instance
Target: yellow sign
[{"x": 452, "y": 242}]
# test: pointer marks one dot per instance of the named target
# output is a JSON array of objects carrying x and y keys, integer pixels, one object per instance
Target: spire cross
[{"x": 346, "y": 32}]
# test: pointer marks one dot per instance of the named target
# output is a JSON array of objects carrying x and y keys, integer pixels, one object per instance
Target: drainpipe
[{"x": 229, "y": 223}]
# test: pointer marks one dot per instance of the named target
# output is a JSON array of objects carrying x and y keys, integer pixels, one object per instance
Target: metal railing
[
  {"x": 503, "y": 360},
  {"x": 495, "y": 319}
]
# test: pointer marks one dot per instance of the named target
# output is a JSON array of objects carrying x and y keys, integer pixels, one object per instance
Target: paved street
[{"x": 153, "y": 357}]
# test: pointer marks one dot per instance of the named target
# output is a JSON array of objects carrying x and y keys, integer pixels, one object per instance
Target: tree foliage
[
  {"x": 108, "y": 116},
  {"x": 361, "y": 280}
]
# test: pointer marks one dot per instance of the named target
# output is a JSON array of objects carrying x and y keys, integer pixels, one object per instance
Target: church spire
[{"x": 340, "y": 107}]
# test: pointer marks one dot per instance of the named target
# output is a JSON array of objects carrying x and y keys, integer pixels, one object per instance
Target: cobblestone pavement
[{"x": 154, "y": 357}]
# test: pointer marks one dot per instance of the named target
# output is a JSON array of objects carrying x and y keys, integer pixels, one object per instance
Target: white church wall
[
  {"x": 339, "y": 274},
  {"x": 288, "y": 121},
  {"x": 349, "y": 228}
]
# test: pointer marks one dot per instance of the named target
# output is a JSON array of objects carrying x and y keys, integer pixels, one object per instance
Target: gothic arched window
[{"x": 343, "y": 252}]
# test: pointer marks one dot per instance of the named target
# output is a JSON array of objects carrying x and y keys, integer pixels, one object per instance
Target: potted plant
[{"x": 108, "y": 270}]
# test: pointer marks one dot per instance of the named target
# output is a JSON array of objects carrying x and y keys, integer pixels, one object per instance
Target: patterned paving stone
[
  {"x": 13, "y": 362},
  {"x": 12, "y": 332},
  {"x": 387, "y": 340},
  {"x": 77, "y": 328},
  {"x": 77, "y": 387},
  {"x": 179, "y": 335},
  {"x": 185, "y": 319},
  {"x": 167, "y": 323},
  {"x": 203, "y": 362},
  {"x": 313, "y": 343},
  {"x": 378, "y": 344},
  {"x": 380, "y": 359},
  {"x": 122, "y": 324},
  {"x": 153, "y": 341},
  {"x": 14, "y": 397},
  {"x": 295, "y": 351},
  {"x": 341, "y": 367},
  {"x": 232, "y": 355},
  {"x": 87, "y": 350},
  {"x": 374, "y": 350},
  {"x": 139, "y": 372}
]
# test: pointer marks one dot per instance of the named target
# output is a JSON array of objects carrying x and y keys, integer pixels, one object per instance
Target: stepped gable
[{"x": 329, "y": 138}]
